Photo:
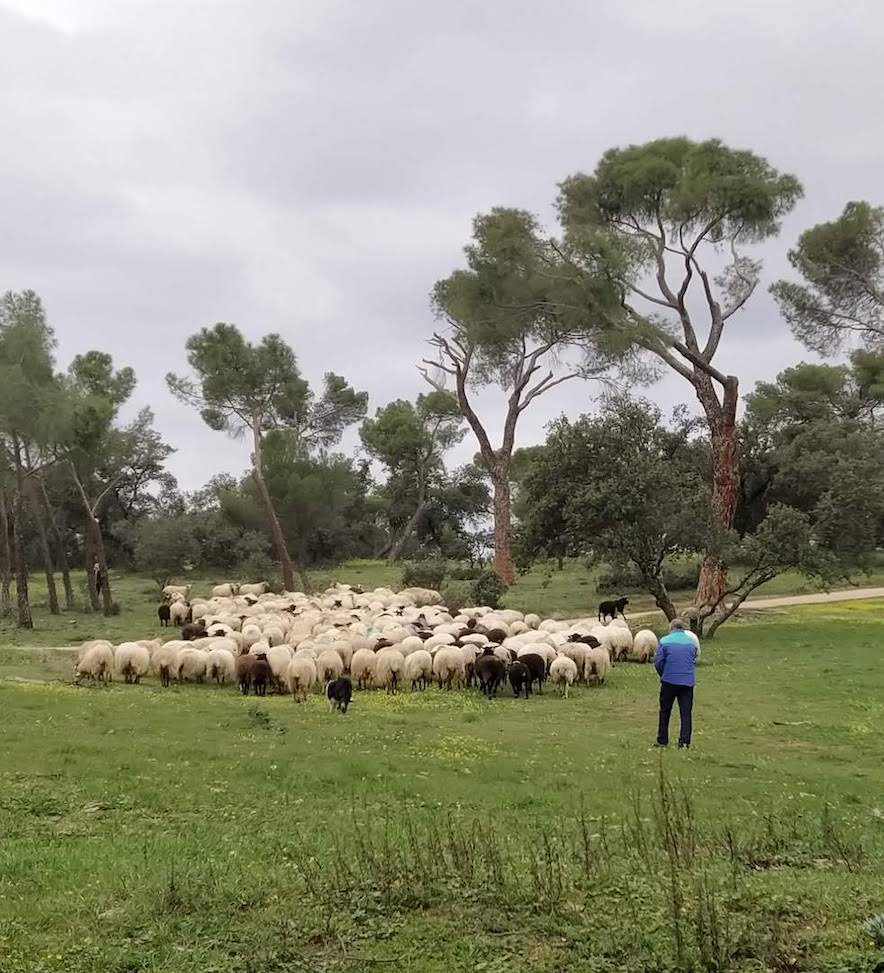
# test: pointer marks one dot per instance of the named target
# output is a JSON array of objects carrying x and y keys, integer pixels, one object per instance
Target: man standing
[{"x": 675, "y": 661}]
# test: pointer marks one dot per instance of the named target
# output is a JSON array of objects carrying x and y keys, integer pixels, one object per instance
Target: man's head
[{"x": 677, "y": 625}]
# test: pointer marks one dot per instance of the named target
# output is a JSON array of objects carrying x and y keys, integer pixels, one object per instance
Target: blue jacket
[{"x": 675, "y": 659}]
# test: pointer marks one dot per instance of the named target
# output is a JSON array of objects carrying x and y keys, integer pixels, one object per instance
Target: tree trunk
[
  {"x": 722, "y": 421},
  {"x": 291, "y": 579},
  {"x": 5, "y": 558},
  {"x": 25, "y": 619},
  {"x": 107, "y": 600},
  {"x": 43, "y": 538},
  {"x": 89, "y": 555},
  {"x": 395, "y": 552},
  {"x": 657, "y": 588},
  {"x": 503, "y": 559},
  {"x": 61, "y": 550}
]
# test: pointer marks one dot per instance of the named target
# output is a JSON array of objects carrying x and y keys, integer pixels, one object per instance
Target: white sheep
[
  {"x": 300, "y": 676},
  {"x": 449, "y": 666},
  {"x": 228, "y": 590},
  {"x": 620, "y": 641},
  {"x": 329, "y": 666},
  {"x": 278, "y": 658},
  {"x": 178, "y": 612},
  {"x": 190, "y": 665},
  {"x": 221, "y": 665},
  {"x": 389, "y": 668},
  {"x": 132, "y": 661},
  {"x": 644, "y": 645},
  {"x": 97, "y": 663},
  {"x": 418, "y": 669},
  {"x": 178, "y": 589},
  {"x": 562, "y": 673},
  {"x": 254, "y": 589},
  {"x": 163, "y": 660},
  {"x": 362, "y": 667},
  {"x": 596, "y": 666}
]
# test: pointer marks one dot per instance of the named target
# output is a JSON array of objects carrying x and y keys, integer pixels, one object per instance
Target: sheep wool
[
  {"x": 329, "y": 666},
  {"x": 362, "y": 667},
  {"x": 300, "y": 677},
  {"x": 97, "y": 663},
  {"x": 644, "y": 645},
  {"x": 418, "y": 669},
  {"x": 132, "y": 661},
  {"x": 596, "y": 666},
  {"x": 389, "y": 668},
  {"x": 563, "y": 673},
  {"x": 449, "y": 667},
  {"x": 221, "y": 665}
]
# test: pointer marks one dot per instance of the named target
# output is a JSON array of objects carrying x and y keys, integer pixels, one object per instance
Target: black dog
[
  {"x": 164, "y": 613},
  {"x": 339, "y": 692},
  {"x": 612, "y": 608}
]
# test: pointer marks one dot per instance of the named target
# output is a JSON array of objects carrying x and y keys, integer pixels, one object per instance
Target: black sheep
[
  {"x": 261, "y": 674},
  {"x": 491, "y": 672},
  {"x": 164, "y": 613},
  {"x": 194, "y": 630},
  {"x": 520, "y": 678},
  {"x": 244, "y": 666},
  {"x": 536, "y": 667},
  {"x": 339, "y": 693},
  {"x": 612, "y": 608}
]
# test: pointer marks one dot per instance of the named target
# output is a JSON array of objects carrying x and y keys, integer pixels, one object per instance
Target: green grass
[
  {"x": 569, "y": 593},
  {"x": 193, "y": 831}
]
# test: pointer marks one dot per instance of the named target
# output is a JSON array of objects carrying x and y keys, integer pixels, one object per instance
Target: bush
[
  {"x": 463, "y": 572},
  {"x": 677, "y": 577},
  {"x": 424, "y": 574},
  {"x": 488, "y": 589},
  {"x": 458, "y": 594}
]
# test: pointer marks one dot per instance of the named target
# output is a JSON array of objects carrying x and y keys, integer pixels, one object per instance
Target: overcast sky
[{"x": 311, "y": 168}]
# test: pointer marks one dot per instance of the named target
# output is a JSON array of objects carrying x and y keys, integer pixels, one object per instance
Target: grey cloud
[{"x": 312, "y": 168}]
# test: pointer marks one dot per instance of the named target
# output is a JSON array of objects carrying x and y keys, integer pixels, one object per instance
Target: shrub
[
  {"x": 488, "y": 589},
  {"x": 458, "y": 594},
  {"x": 677, "y": 577},
  {"x": 464, "y": 572},
  {"x": 424, "y": 574}
]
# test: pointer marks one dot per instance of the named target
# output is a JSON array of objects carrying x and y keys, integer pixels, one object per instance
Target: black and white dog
[{"x": 339, "y": 692}]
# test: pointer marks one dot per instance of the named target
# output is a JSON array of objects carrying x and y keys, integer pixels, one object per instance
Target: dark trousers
[{"x": 669, "y": 693}]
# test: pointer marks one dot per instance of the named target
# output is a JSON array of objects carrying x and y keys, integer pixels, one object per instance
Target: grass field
[
  {"x": 569, "y": 593},
  {"x": 193, "y": 831}
]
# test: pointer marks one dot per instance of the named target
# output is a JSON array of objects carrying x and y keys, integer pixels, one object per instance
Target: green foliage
[
  {"x": 687, "y": 185},
  {"x": 458, "y": 594},
  {"x": 424, "y": 574},
  {"x": 676, "y": 577},
  {"x": 620, "y": 485},
  {"x": 489, "y": 589},
  {"x": 842, "y": 266},
  {"x": 166, "y": 547},
  {"x": 243, "y": 387}
]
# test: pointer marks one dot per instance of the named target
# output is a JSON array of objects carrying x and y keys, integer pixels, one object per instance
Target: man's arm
[{"x": 660, "y": 659}]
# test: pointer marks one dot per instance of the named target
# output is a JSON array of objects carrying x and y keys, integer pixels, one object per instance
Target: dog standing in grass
[{"x": 339, "y": 693}]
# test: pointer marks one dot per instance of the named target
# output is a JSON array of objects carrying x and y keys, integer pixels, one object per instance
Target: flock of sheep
[{"x": 294, "y": 643}]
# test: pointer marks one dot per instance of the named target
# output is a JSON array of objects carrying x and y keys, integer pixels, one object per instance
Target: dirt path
[{"x": 785, "y": 601}]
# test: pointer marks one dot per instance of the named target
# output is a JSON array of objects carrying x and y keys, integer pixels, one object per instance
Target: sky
[{"x": 312, "y": 168}]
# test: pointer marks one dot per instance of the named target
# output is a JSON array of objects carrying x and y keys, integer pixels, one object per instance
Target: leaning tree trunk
[
  {"x": 655, "y": 586},
  {"x": 722, "y": 419},
  {"x": 89, "y": 558},
  {"x": 395, "y": 551},
  {"x": 107, "y": 600},
  {"x": 25, "y": 619},
  {"x": 5, "y": 558},
  {"x": 503, "y": 557},
  {"x": 60, "y": 549},
  {"x": 43, "y": 538},
  {"x": 291, "y": 579}
]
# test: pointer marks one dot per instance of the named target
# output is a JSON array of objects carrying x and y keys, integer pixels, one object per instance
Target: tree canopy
[{"x": 841, "y": 298}]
